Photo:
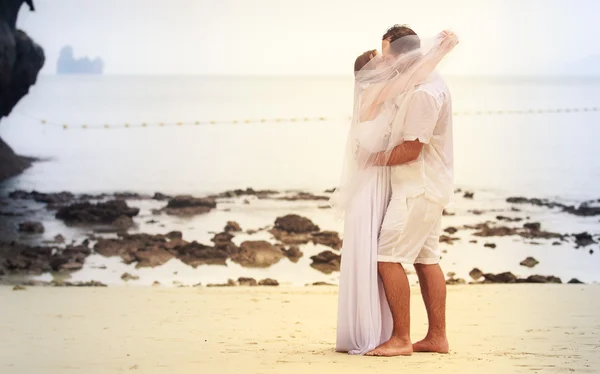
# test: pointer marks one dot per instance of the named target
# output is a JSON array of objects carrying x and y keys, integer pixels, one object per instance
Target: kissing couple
[{"x": 396, "y": 180}]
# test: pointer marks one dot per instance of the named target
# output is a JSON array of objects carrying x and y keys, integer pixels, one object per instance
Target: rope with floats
[{"x": 127, "y": 125}]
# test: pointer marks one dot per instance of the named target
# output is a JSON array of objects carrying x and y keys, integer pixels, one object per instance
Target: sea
[{"x": 199, "y": 135}]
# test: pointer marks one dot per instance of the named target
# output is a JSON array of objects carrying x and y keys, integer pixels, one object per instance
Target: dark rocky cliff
[{"x": 21, "y": 59}]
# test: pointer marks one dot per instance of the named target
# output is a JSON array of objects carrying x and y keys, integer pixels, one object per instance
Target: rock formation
[
  {"x": 68, "y": 64},
  {"x": 21, "y": 59}
]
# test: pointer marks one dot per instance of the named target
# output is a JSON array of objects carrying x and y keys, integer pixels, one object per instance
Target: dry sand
[{"x": 492, "y": 329}]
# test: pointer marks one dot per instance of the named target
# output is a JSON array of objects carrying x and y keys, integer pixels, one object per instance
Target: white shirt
[{"x": 429, "y": 119}]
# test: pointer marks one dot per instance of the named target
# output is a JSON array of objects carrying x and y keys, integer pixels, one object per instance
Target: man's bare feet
[
  {"x": 435, "y": 345},
  {"x": 393, "y": 347}
]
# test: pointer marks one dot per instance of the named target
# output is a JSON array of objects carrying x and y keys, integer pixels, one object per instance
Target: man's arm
[
  {"x": 401, "y": 154},
  {"x": 421, "y": 119}
]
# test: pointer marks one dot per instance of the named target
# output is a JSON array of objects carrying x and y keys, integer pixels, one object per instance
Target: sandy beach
[
  {"x": 166, "y": 182},
  {"x": 492, "y": 328}
]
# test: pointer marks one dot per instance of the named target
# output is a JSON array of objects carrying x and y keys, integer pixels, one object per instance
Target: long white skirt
[{"x": 364, "y": 317}]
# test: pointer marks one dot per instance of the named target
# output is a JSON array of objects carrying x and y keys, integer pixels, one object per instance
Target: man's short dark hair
[{"x": 400, "y": 31}]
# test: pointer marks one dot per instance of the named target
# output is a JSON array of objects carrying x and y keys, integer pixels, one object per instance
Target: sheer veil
[{"x": 383, "y": 89}]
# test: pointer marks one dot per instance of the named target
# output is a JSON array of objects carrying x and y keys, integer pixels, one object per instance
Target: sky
[{"x": 314, "y": 37}]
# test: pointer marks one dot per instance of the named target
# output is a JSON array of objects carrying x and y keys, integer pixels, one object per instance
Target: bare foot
[
  {"x": 393, "y": 347},
  {"x": 436, "y": 345}
]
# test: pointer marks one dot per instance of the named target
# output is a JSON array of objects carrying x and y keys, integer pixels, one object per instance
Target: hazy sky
[{"x": 312, "y": 36}]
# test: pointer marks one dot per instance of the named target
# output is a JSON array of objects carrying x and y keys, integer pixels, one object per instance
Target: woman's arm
[{"x": 420, "y": 69}]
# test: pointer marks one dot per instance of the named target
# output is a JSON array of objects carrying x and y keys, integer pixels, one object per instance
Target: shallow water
[{"x": 548, "y": 155}]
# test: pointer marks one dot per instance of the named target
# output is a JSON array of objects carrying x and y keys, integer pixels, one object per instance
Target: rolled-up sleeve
[{"x": 421, "y": 117}]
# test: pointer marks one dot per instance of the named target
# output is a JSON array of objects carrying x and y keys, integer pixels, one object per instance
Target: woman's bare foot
[
  {"x": 393, "y": 347},
  {"x": 435, "y": 345}
]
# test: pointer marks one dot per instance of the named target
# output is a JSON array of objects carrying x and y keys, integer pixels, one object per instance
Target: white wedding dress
[{"x": 364, "y": 317}]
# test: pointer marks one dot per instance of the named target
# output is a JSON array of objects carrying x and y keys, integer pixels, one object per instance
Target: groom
[{"x": 422, "y": 184}]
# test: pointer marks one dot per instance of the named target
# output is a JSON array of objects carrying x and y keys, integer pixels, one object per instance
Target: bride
[{"x": 383, "y": 89}]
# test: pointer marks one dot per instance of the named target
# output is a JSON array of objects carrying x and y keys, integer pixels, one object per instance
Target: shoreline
[{"x": 195, "y": 247}]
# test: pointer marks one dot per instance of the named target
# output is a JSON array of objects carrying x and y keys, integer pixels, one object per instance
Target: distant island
[{"x": 68, "y": 64}]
